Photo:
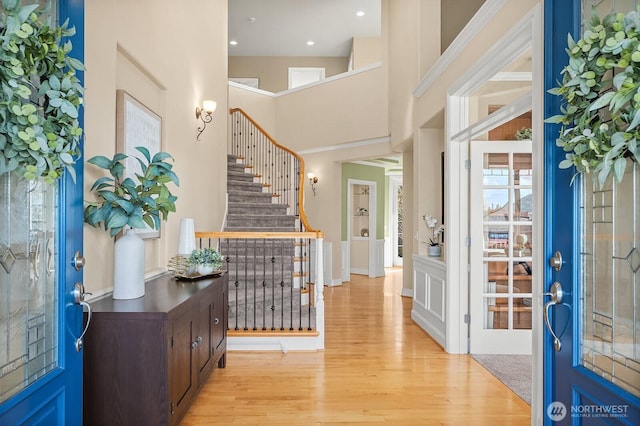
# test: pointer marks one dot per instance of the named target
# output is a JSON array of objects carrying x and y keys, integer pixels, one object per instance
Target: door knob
[
  {"x": 555, "y": 297},
  {"x": 78, "y": 261},
  {"x": 556, "y": 261}
]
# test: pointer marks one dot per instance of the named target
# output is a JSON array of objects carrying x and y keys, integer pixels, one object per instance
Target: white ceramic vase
[
  {"x": 128, "y": 266},
  {"x": 435, "y": 251}
]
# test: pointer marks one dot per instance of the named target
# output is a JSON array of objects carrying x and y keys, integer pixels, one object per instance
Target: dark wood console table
[{"x": 145, "y": 359}]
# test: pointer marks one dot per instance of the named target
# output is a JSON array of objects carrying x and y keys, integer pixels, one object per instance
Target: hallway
[{"x": 378, "y": 367}]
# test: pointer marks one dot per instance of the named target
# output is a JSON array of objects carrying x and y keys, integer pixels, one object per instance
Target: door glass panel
[
  {"x": 28, "y": 284},
  {"x": 507, "y": 235},
  {"x": 496, "y": 204},
  {"x": 610, "y": 260}
]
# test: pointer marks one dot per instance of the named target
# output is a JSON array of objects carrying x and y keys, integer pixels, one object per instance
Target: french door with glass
[{"x": 501, "y": 221}]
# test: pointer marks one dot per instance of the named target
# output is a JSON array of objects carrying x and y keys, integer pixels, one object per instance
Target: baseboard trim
[
  {"x": 273, "y": 343},
  {"x": 407, "y": 292},
  {"x": 334, "y": 283}
]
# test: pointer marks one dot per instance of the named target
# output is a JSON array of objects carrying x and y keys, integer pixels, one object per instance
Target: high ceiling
[{"x": 283, "y": 27}]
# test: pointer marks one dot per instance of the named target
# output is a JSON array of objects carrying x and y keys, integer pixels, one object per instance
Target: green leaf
[
  {"x": 100, "y": 161},
  {"x": 144, "y": 152},
  {"x": 634, "y": 123},
  {"x": 618, "y": 168},
  {"x": 117, "y": 219},
  {"x": 160, "y": 156},
  {"x": 602, "y": 101}
]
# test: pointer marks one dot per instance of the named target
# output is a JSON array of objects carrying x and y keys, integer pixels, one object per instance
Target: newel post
[{"x": 319, "y": 294}]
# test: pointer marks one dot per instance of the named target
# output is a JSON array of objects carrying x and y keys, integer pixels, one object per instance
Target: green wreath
[
  {"x": 601, "y": 98},
  {"x": 40, "y": 95}
]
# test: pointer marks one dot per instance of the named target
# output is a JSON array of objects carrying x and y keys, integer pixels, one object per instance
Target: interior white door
[{"x": 501, "y": 222}]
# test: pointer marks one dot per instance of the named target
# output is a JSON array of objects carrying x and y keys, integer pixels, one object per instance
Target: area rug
[{"x": 512, "y": 370}]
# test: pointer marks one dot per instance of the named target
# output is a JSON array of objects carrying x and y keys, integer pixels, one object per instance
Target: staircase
[{"x": 267, "y": 296}]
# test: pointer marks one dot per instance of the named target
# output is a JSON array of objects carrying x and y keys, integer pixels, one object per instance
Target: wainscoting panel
[{"x": 429, "y": 300}]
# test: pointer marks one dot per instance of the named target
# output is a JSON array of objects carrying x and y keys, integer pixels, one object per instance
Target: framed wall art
[{"x": 136, "y": 125}]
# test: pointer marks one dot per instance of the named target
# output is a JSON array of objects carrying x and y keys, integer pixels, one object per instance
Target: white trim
[
  {"x": 477, "y": 23},
  {"x": 537, "y": 117},
  {"x": 345, "y": 267},
  {"x": 407, "y": 292},
  {"x": 284, "y": 344},
  {"x": 308, "y": 86},
  {"x": 495, "y": 119},
  {"x": 250, "y": 89},
  {"x": 512, "y": 76},
  {"x": 348, "y": 145},
  {"x": 330, "y": 79},
  {"x": 316, "y": 74},
  {"x": 334, "y": 282},
  {"x": 515, "y": 42}
]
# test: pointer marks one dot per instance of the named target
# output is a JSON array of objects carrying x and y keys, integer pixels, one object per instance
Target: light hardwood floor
[{"x": 378, "y": 367}]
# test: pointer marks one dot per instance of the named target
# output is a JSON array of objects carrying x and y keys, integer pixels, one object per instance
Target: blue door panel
[{"x": 565, "y": 380}]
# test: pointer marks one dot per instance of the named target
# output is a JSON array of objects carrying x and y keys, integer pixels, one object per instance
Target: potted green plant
[
  {"x": 124, "y": 204},
  {"x": 206, "y": 260},
  {"x": 600, "y": 90},
  {"x": 40, "y": 95}
]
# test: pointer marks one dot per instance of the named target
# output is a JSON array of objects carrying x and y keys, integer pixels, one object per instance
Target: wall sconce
[
  {"x": 204, "y": 114},
  {"x": 313, "y": 179}
]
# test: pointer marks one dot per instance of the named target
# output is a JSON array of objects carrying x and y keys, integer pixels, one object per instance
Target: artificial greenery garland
[
  {"x": 601, "y": 97},
  {"x": 40, "y": 95}
]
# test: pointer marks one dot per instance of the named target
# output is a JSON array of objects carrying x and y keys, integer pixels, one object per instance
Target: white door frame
[
  {"x": 527, "y": 33},
  {"x": 395, "y": 181},
  {"x": 372, "y": 219}
]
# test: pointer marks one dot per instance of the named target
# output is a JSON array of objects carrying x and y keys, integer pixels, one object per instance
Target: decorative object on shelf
[
  {"x": 434, "y": 248},
  {"x": 524, "y": 134},
  {"x": 204, "y": 113},
  {"x": 313, "y": 180},
  {"x": 362, "y": 211},
  {"x": 186, "y": 237},
  {"x": 123, "y": 204},
  {"x": 181, "y": 269},
  {"x": 434, "y": 251},
  {"x": 364, "y": 190},
  {"x": 206, "y": 260},
  {"x": 38, "y": 139},
  {"x": 364, "y": 232},
  {"x": 600, "y": 91}
]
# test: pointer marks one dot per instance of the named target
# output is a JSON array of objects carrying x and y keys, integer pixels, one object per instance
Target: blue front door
[
  {"x": 592, "y": 369},
  {"x": 40, "y": 232}
]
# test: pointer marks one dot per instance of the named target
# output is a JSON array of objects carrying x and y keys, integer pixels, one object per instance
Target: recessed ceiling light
[
  {"x": 360, "y": 13},
  {"x": 252, "y": 19},
  {"x": 310, "y": 43},
  {"x": 233, "y": 42}
]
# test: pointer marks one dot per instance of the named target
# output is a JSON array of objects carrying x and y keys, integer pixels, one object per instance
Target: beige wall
[
  {"x": 365, "y": 51},
  {"x": 171, "y": 80},
  {"x": 349, "y": 109},
  {"x": 273, "y": 71}
]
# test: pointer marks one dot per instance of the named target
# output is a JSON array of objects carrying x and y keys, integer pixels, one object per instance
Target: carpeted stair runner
[{"x": 251, "y": 208}]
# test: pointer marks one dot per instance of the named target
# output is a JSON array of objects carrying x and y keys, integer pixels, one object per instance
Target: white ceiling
[{"x": 283, "y": 27}]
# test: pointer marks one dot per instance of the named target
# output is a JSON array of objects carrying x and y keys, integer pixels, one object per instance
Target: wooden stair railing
[
  {"x": 276, "y": 166},
  {"x": 269, "y": 295}
]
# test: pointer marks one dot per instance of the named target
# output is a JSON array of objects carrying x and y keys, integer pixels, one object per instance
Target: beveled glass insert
[
  {"x": 610, "y": 272},
  {"x": 28, "y": 283}
]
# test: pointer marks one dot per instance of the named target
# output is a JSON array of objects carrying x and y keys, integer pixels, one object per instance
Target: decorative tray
[
  {"x": 181, "y": 270},
  {"x": 197, "y": 275}
]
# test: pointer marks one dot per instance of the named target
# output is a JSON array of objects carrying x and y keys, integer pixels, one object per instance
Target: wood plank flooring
[{"x": 378, "y": 367}]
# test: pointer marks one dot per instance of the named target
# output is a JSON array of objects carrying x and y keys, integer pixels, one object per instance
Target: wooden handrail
[
  {"x": 303, "y": 216},
  {"x": 259, "y": 235}
]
